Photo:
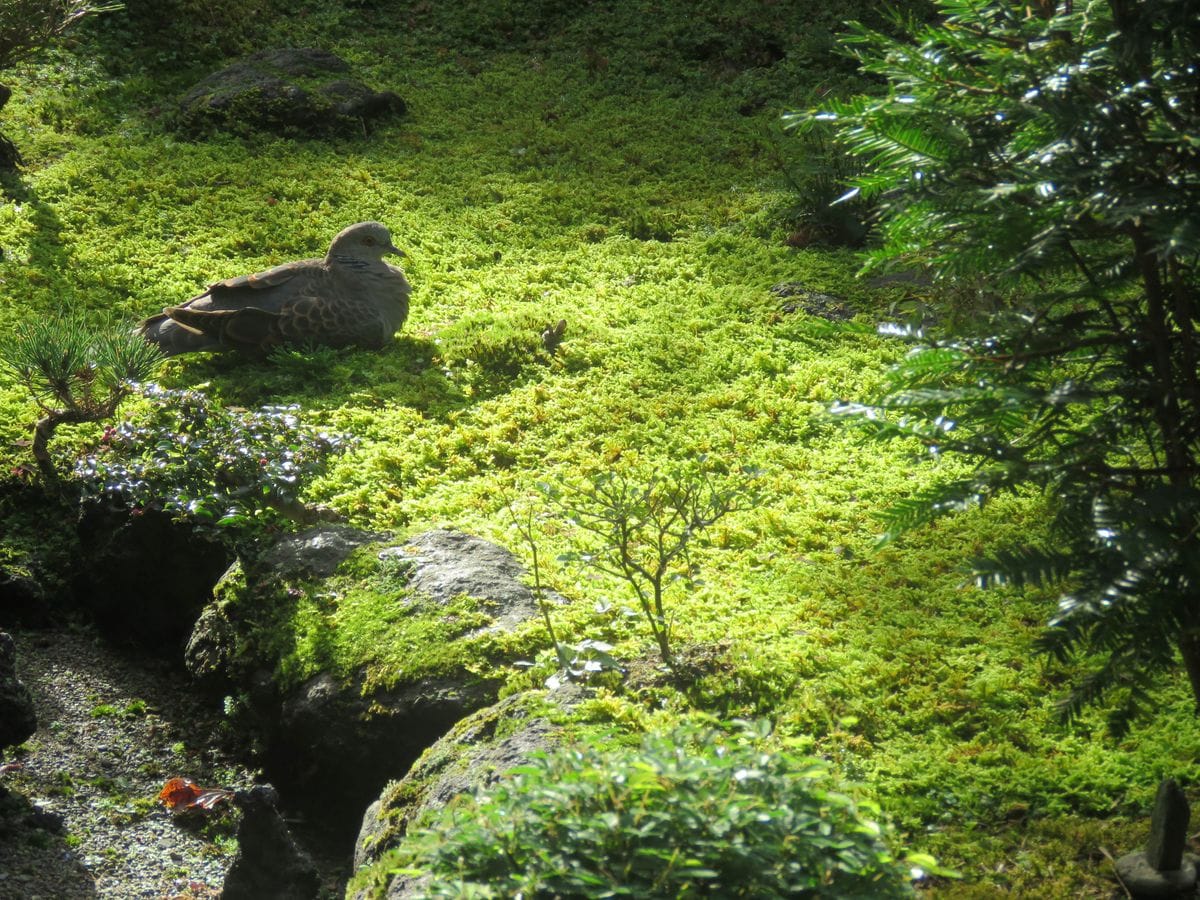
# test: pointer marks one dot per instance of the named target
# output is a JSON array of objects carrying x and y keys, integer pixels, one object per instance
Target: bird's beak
[{"x": 392, "y": 248}]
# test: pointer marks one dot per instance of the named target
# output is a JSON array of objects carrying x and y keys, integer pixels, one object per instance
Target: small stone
[
  {"x": 1168, "y": 827},
  {"x": 269, "y": 864},
  {"x": 1142, "y": 880}
]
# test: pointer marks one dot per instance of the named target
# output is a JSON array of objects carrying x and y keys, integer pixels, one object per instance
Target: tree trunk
[
  {"x": 9, "y": 157},
  {"x": 1189, "y": 648},
  {"x": 44, "y": 431}
]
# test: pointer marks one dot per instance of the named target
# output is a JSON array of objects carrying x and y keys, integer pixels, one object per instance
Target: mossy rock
[
  {"x": 293, "y": 92},
  {"x": 349, "y": 653},
  {"x": 477, "y": 751}
]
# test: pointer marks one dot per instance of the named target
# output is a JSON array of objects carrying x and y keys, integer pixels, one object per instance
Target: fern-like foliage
[{"x": 1049, "y": 151}]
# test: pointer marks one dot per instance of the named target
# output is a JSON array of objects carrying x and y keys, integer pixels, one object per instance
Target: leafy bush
[
  {"x": 75, "y": 373},
  {"x": 692, "y": 813},
  {"x": 1051, "y": 151},
  {"x": 228, "y": 469},
  {"x": 28, "y": 25}
]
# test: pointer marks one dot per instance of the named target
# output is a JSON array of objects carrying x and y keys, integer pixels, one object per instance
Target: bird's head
[{"x": 365, "y": 240}]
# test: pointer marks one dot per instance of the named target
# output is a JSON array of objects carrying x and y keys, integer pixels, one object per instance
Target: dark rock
[
  {"x": 145, "y": 578},
  {"x": 17, "y": 717},
  {"x": 814, "y": 303},
  {"x": 470, "y": 756},
  {"x": 208, "y": 654},
  {"x": 288, "y": 91},
  {"x": 337, "y": 745},
  {"x": 23, "y": 601},
  {"x": 1162, "y": 869},
  {"x": 269, "y": 865},
  {"x": 1142, "y": 880},
  {"x": 1168, "y": 827}
]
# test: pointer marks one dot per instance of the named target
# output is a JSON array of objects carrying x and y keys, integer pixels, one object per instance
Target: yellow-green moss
[{"x": 594, "y": 172}]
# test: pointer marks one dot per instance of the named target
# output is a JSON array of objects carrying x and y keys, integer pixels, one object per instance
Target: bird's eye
[{"x": 370, "y": 242}]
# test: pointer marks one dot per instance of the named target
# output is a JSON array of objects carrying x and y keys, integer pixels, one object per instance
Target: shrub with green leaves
[
  {"x": 693, "y": 813},
  {"x": 231, "y": 470},
  {"x": 1051, "y": 151}
]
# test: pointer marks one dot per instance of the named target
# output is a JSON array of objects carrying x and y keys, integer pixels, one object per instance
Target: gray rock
[
  {"x": 287, "y": 91},
  {"x": 334, "y": 740},
  {"x": 18, "y": 719},
  {"x": 1168, "y": 827},
  {"x": 315, "y": 553},
  {"x": 446, "y": 564}
]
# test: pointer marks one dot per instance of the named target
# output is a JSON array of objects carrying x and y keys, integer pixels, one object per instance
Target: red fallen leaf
[
  {"x": 11, "y": 767},
  {"x": 178, "y": 791},
  {"x": 182, "y": 794}
]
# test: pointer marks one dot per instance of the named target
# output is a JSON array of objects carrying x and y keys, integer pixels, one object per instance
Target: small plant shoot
[{"x": 642, "y": 530}]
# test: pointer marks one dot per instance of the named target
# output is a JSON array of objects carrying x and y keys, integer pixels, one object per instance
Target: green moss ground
[{"x": 619, "y": 168}]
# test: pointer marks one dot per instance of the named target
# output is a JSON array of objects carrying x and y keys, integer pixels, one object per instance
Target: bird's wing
[
  {"x": 243, "y": 288},
  {"x": 337, "y": 321},
  {"x": 243, "y": 313}
]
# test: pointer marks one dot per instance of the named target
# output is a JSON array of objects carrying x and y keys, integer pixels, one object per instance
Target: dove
[{"x": 349, "y": 298}]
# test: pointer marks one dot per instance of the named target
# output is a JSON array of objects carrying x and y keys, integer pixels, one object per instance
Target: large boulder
[
  {"x": 17, "y": 717},
  {"x": 286, "y": 91},
  {"x": 351, "y": 652},
  {"x": 474, "y": 754}
]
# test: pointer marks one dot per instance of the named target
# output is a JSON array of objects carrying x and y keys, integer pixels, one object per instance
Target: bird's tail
[{"x": 173, "y": 338}]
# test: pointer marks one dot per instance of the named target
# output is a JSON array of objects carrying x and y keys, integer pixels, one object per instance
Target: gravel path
[{"x": 111, "y": 732}]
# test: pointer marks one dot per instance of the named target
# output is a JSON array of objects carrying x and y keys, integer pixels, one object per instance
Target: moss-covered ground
[{"x": 619, "y": 166}]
